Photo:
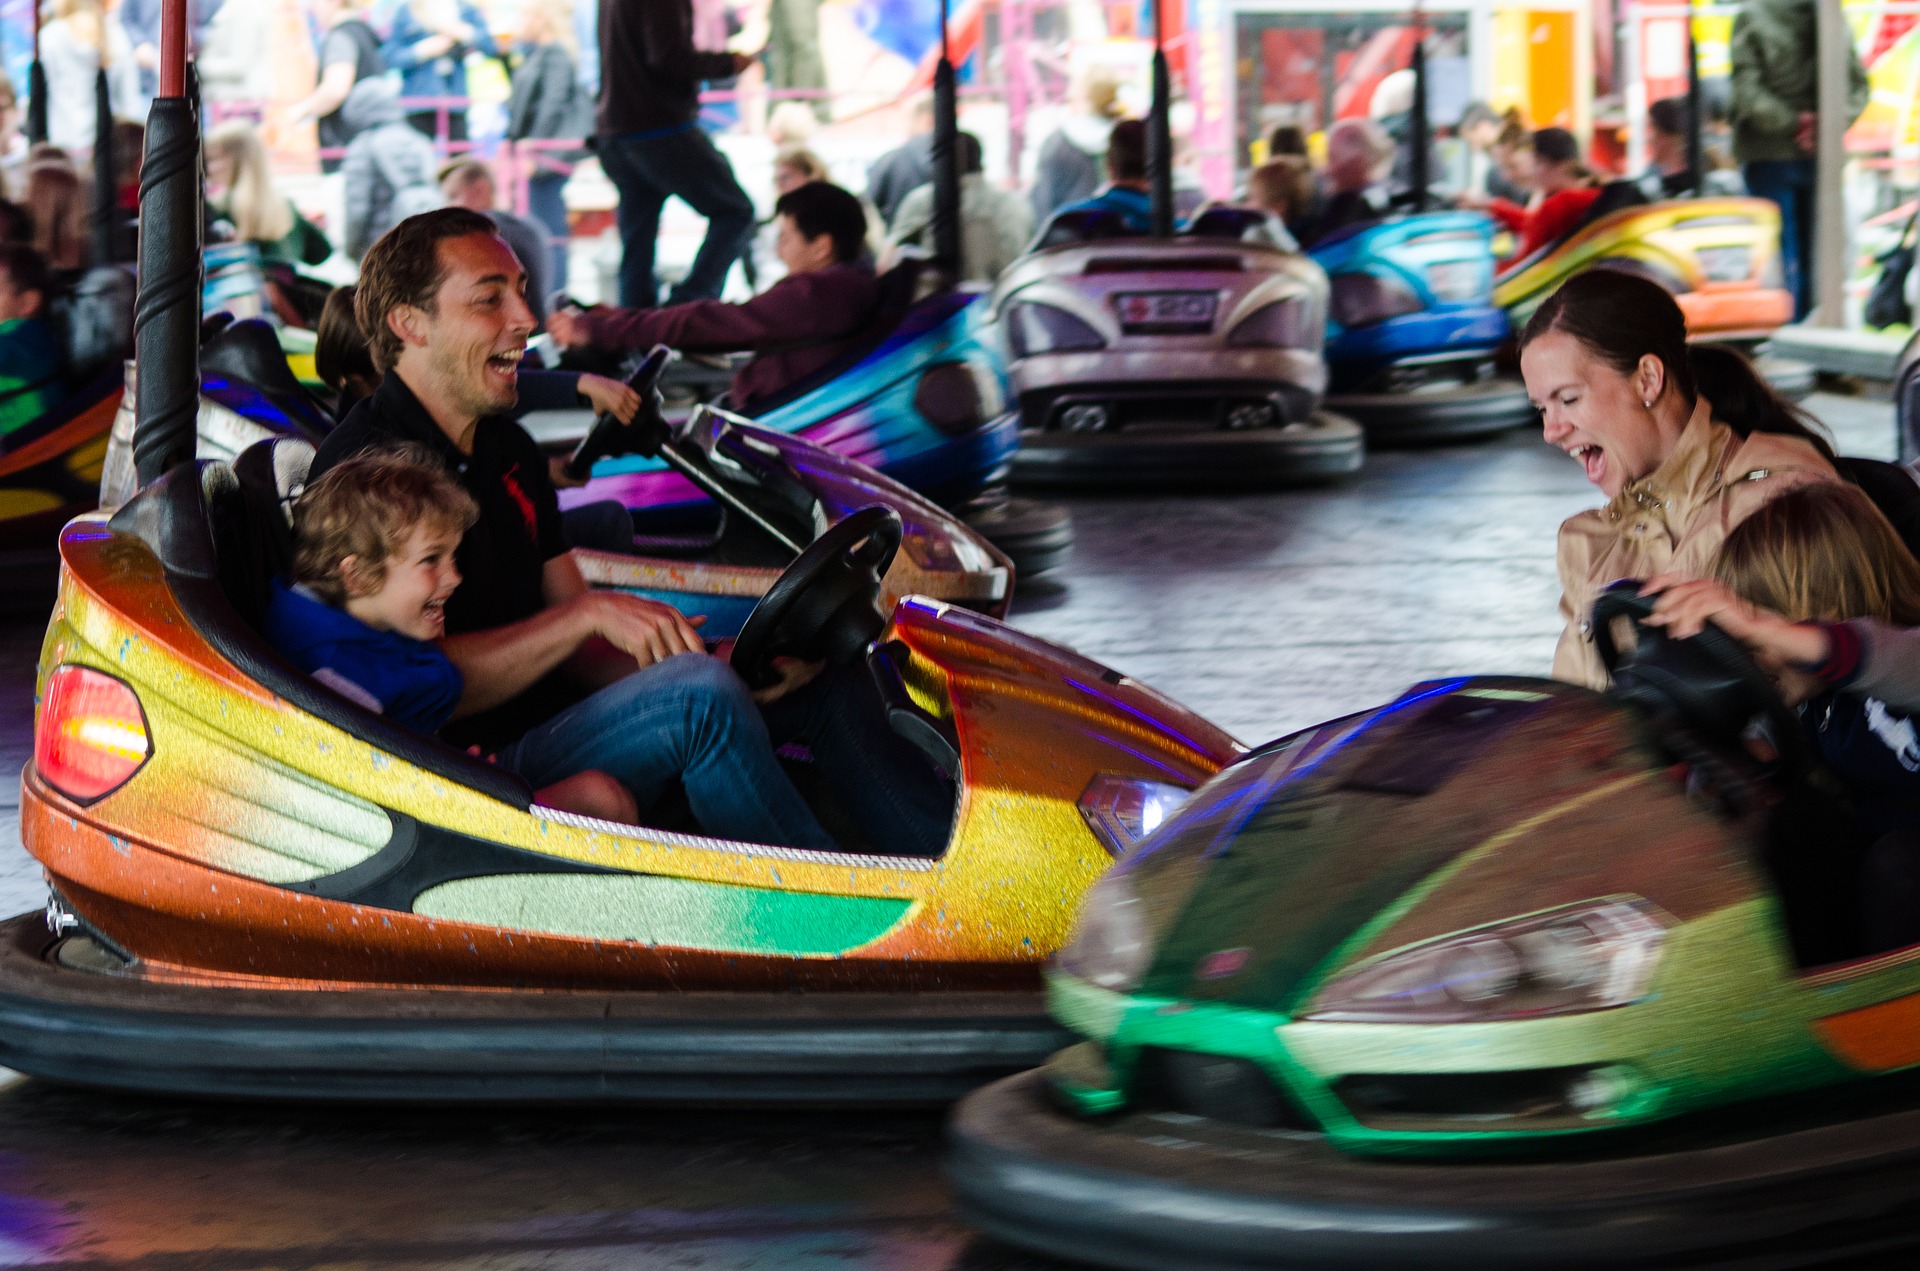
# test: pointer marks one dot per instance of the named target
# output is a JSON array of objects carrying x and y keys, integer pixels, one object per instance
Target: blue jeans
[
  {"x": 547, "y": 202},
  {"x": 887, "y": 787},
  {"x": 689, "y": 717},
  {"x": 1790, "y": 184},
  {"x": 648, "y": 169}
]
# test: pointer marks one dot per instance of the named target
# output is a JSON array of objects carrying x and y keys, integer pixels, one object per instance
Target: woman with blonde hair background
[
  {"x": 241, "y": 192},
  {"x": 73, "y": 47}
]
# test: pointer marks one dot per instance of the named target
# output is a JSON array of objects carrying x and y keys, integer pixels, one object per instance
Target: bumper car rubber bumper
[
  {"x": 1790, "y": 377},
  {"x": 94, "y": 1028},
  {"x": 1321, "y": 448},
  {"x": 1479, "y": 409},
  {"x": 1144, "y": 1191}
]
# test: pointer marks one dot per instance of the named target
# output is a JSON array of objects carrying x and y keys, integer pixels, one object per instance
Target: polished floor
[{"x": 1264, "y": 612}]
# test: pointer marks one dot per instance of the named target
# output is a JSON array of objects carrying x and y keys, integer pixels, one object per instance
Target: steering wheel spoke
[{"x": 826, "y": 605}]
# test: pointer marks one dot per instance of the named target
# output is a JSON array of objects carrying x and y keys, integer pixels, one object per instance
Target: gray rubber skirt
[
  {"x": 1152, "y": 1192},
  {"x": 93, "y": 1028},
  {"x": 1325, "y": 447},
  {"x": 1462, "y": 413},
  {"x": 1790, "y": 377}
]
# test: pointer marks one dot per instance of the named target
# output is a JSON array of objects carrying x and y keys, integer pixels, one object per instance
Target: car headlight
[
  {"x": 1036, "y": 328},
  {"x": 1110, "y": 948},
  {"x": 1121, "y": 811},
  {"x": 1362, "y": 299},
  {"x": 1284, "y": 324},
  {"x": 1584, "y": 957}
]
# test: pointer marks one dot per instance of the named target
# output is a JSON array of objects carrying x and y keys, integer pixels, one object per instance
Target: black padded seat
[
  {"x": 272, "y": 473},
  {"x": 1241, "y": 224},
  {"x": 1080, "y": 225},
  {"x": 220, "y": 556},
  {"x": 1893, "y": 489},
  {"x": 249, "y": 351}
]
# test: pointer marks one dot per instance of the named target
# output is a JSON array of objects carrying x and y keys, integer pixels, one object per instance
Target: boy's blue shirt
[{"x": 409, "y": 681}]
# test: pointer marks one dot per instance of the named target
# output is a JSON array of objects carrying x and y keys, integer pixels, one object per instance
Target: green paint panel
[{"x": 667, "y": 911}]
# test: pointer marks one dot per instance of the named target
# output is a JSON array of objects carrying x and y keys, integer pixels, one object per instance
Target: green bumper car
[{"x": 1504, "y": 973}]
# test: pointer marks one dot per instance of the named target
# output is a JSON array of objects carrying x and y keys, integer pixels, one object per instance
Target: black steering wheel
[
  {"x": 644, "y": 436},
  {"x": 1709, "y": 683},
  {"x": 826, "y": 606}
]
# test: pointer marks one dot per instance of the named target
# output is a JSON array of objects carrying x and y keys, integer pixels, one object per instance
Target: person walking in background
[
  {"x": 793, "y": 51},
  {"x": 389, "y": 167},
  {"x": 73, "y": 47},
  {"x": 548, "y": 104},
  {"x": 1776, "y": 90},
  {"x": 428, "y": 45},
  {"x": 469, "y": 183},
  {"x": 235, "y": 59},
  {"x": 1072, "y": 160},
  {"x": 349, "y": 53},
  {"x": 651, "y": 147},
  {"x": 995, "y": 224},
  {"x": 906, "y": 168},
  {"x": 240, "y": 192}
]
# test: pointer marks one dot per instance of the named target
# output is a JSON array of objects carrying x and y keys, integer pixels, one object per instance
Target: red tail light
[{"x": 90, "y": 736}]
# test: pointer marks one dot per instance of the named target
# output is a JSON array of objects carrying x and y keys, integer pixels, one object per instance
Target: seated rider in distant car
[
  {"x": 794, "y": 328},
  {"x": 371, "y": 577},
  {"x": 31, "y": 365},
  {"x": 1564, "y": 191},
  {"x": 558, "y": 679},
  {"x": 1359, "y": 155},
  {"x": 1128, "y": 194}
]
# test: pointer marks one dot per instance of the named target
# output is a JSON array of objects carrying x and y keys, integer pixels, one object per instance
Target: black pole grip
[
  {"x": 1696, "y": 121},
  {"x": 946, "y": 171},
  {"x": 166, "y": 320},
  {"x": 1417, "y": 127},
  {"x": 1160, "y": 149},
  {"x": 106, "y": 189},
  {"x": 36, "y": 104}
]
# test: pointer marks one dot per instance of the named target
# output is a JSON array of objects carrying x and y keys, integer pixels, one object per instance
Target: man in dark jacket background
[
  {"x": 794, "y": 328},
  {"x": 651, "y": 147}
]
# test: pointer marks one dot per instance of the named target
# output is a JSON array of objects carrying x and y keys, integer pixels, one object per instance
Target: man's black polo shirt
[{"x": 503, "y": 555}]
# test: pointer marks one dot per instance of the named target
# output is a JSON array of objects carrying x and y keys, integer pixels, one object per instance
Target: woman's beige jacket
[{"x": 1675, "y": 518}]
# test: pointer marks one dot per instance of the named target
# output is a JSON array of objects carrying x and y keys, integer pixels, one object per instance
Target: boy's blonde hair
[
  {"x": 1822, "y": 553},
  {"x": 365, "y": 508}
]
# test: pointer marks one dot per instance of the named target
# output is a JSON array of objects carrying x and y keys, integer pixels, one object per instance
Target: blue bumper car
[{"x": 1412, "y": 330}]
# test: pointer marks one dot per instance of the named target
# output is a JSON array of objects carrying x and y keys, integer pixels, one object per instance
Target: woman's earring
[{"x": 1648, "y": 404}]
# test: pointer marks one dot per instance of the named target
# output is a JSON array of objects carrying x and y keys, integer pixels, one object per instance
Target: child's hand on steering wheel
[{"x": 1687, "y": 604}]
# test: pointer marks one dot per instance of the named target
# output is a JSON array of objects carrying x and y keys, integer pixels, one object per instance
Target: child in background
[
  {"x": 372, "y": 571},
  {"x": 1820, "y": 588},
  {"x": 31, "y": 366}
]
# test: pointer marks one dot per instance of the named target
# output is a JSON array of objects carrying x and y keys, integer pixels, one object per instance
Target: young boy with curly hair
[{"x": 366, "y": 605}]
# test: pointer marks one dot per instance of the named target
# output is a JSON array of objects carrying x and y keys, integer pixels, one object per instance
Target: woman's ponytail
[{"x": 1746, "y": 403}]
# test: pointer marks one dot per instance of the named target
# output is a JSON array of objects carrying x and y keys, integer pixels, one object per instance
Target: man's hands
[
  {"x": 794, "y": 673},
  {"x": 645, "y": 630},
  {"x": 610, "y": 397},
  {"x": 1687, "y": 604}
]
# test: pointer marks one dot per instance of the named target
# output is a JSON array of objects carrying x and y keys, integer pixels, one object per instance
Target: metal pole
[
  {"x": 1160, "y": 140},
  {"x": 946, "y": 161},
  {"x": 1696, "y": 121},
  {"x": 1829, "y": 262},
  {"x": 106, "y": 185},
  {"x": 166, "y": 322},
  {"x": 1418, "y": 130},
  {"x": 36, "y": 88}
]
